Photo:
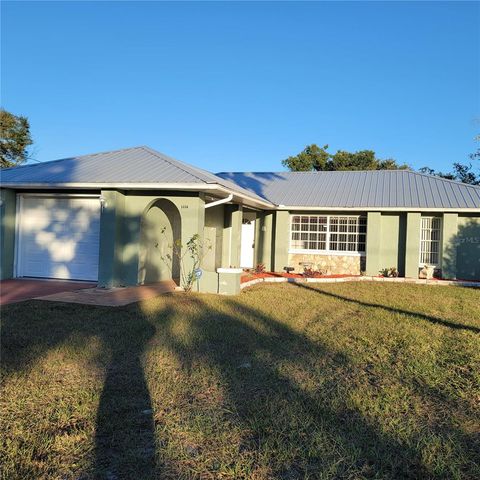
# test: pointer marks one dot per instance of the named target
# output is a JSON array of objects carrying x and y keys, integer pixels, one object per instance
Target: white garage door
[{"x": 58, "y": 237}]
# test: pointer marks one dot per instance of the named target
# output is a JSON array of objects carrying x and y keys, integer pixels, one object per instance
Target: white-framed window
[
  {"x": 430, "y": 235},
  {"x": 328, "y": 233}
]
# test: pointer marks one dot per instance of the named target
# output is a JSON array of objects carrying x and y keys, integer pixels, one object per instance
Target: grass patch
[{"x": 347, "y": 380}]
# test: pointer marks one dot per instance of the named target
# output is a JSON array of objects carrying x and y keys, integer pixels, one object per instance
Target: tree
[
  {"x": 461, "y": 172},
  {"x": 14, "y": 139},
  {"x": 313, "y": 158},
  {"x": 195, "y": 249},
  {"x": 363, "y": 160}
]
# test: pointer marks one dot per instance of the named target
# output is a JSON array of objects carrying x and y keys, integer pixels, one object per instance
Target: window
[
  {"x": 328, "y": 233},
  {"x": 430, "y": 240}
]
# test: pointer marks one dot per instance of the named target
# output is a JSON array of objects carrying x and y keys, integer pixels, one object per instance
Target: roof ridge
[
  {"x": 72, "y": 157},
  {"x": 172, "y": 161},
  {"x": 325, "y": 171},
  {"x": 138, "y": 147},
  {"x": 448, "y": 180}
]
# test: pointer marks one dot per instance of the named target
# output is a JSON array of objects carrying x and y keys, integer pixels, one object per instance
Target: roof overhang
[
  {"x": 213, "y": 188},
  {"x": 376, "y": 209}
]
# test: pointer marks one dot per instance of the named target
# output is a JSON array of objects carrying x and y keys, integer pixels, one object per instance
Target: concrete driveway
[{"x": 19, "y": 289}]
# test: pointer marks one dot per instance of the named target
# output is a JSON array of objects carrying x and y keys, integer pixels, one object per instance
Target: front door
[{"x": 248, "y": 240}]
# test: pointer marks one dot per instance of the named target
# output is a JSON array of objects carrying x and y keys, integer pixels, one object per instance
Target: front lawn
[{"x": 346, "y": 380}]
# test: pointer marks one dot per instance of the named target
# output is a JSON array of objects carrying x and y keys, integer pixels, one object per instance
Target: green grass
[{"x": 346, "y": 380}]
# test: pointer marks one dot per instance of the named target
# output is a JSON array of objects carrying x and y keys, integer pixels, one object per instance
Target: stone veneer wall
[{"x": 330, "y": 264}]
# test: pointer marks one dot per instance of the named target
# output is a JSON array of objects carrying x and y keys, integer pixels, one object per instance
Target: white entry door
[
  {"x": 58, "y": 237},
  {"x": 248, "y": 239}
]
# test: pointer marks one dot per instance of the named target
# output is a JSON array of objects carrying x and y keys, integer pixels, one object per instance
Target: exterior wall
[
  {"x": 373, "y": 247},
  {"x": 412, "y": 244},
  {"x": 281, "y": 240},
  {"x": 392, "y": 243},
  {"x": 120, "y": 233},
  {"x": 232, "y": 235},
  {"x": 208, "y": 283},
  {"x": 449, "y": 248},
  {"x": 330, "y": 264},
  {"x": 110, "y": 267},
  {"x": 393, "y": 239},
  {"x": 7, "y": 233},
  {"x": 213, "y": 237},
  {"x": 385, "y": 242},
  {"x": 466, "y": 247},
  {"x": 263, "y": 239}
]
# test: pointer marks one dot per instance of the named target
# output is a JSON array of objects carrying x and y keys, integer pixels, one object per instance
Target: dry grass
[{"x": 351, "y": 380}]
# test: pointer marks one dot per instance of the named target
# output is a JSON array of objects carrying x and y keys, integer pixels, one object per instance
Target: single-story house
[{"x": 112, "y": 218}]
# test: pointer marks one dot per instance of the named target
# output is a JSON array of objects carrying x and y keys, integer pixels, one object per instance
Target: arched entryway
[{"x": 161, "y": 227}]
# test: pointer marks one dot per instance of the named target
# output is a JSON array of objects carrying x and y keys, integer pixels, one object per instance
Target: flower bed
[{"x": 248, "y": 276}]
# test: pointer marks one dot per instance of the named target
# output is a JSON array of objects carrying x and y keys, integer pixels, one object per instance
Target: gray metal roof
[
  {"x": 138, "y": 165},
  {"x": 351, "y": 189},
  {"x": 358, "y": 189}
]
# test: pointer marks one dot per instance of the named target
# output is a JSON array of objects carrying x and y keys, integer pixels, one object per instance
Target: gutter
[
  {"x": 219, "y": 202},
  {"x": 300, "y": 208},
  {"x": 264, "y": 204}
]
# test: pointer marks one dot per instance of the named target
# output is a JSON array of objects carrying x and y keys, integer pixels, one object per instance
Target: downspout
[{"x": 219, "y": 202}]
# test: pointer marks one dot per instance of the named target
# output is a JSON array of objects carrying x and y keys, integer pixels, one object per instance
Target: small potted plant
[{"x": 391, "y": 272}]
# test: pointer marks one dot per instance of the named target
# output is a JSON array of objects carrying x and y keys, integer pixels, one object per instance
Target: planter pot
[{"x": 427, "y": 272}]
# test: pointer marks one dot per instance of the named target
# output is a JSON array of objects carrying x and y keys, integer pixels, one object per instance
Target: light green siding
[
  {"x": 449, "y": 253},
  {"x": 374, "y": 239},
  {"x": 122, "y": 245},
  {"x": 7, "y": 232},
  {"x": 467, "y": 243},
  {"x": 214, "y": 223},
  {"x": 232, "y": 235},
  {"x": 111, "y": 249},
  {"x": 263, "y": 239},
  {"x": 281, "y": 241},
  {"x": 412, "y": 244},
  {"x": 208, "y": 283},
  {"x": 392, "y": 242},
  {"x": 161, "y": 230},
  {"x": 393, "y": 239}
]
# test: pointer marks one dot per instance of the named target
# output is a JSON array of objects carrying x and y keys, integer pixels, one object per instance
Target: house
[{"x": 112, "y": 218}]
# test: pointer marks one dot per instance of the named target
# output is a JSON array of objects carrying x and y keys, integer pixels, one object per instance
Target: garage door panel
[{"x": 59, "y": 237}]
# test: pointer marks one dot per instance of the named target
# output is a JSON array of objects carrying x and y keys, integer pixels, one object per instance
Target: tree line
[{"x": 315, "y": 158}]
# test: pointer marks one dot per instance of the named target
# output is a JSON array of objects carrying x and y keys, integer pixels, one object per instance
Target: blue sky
[{"x": 240, "y": 86}]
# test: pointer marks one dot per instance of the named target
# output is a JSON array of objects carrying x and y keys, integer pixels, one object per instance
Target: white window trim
[
  {"x": 440, "y": 244},
  {"x": 306, "y": 251}
]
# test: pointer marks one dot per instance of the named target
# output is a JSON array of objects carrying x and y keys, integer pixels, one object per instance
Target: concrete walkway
[
  {"x": 112, "y": 297},
  {"x": 19, "y": 289}
]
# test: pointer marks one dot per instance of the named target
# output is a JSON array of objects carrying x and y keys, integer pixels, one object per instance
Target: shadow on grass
[
  {"x": 304, "y": 428},
  {"x": 420, "y": 316},
  {"x": 124, "y": 429}
]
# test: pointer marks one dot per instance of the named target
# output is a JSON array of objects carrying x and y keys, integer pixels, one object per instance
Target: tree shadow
[
  {"x": 124, "y": 436},
  {"x": 256, "y": 356},
  {"x": 462, "y": 254},
  {"x": 124, "y": 430},
  {"x": 417, "y": 315},
  {"x": 256, "y": 182},
  {"x": 254, "y": 362}
]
